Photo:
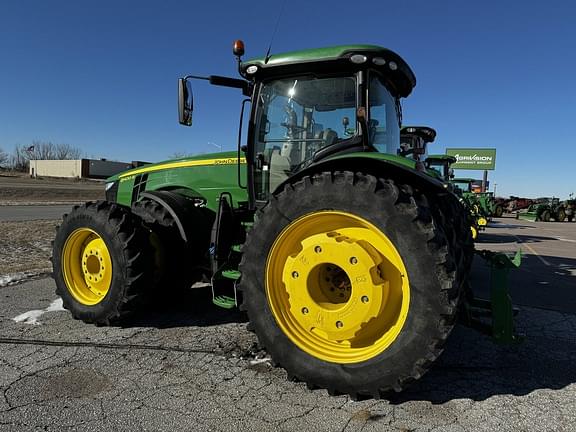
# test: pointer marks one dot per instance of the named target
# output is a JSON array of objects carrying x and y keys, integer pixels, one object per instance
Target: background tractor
[
  {"x": 480, "y": 216},
  {"x": 440, "y": 165},
  {"x": 544, "y": 209},
  {"x": 349, "y": 261},
  {"x": 489, "y": 204},
  {"x": 570, "y": 208},
  {"x": 414, "y": 142}
]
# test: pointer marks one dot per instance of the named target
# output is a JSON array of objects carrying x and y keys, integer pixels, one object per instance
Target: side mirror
[{"x": 185, "y": 102}]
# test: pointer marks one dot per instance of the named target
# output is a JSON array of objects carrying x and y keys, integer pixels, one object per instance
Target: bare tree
[
  {"x": 42, "y": 150},
  {"x": 66, "y": 151},
  {"x": 3, "y": 157},
  {"x": 19, "y": 159}
]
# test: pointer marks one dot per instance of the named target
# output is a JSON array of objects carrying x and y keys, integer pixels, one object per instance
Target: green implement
[{"x": 499, "y": 307}]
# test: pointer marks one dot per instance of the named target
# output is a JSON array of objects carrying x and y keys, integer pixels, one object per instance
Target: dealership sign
[{"x": 473, "y": 158}]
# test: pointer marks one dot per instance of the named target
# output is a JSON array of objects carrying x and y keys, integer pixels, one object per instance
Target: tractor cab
[
  {"x": 463, "y": 185},
  {"x": 314, "y": 104},
  {"x": 414, "y": 141},
  {"x": 440, "y": 164}
]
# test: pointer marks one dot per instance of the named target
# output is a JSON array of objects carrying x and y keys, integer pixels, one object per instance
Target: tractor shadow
[
  {"x": 474, "y": 367},
  {"x": 191, "y": 307},
  {"x": 484, "y": 238}
]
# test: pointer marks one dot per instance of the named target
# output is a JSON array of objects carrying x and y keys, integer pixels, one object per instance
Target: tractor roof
[
  {"x": 441, "y": 158},
  {"x": 336, "y": 58},
  {"x": 426, "y": 133}
]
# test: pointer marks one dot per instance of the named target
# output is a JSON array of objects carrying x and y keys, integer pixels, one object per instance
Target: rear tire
[
  {"x": 101, "y": 262},
  {"x": 546, "y": 216},
  {"x": 339, "y": 201}
]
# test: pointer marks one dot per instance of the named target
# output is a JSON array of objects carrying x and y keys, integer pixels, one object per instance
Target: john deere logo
[{"x": 481, "y": 159}]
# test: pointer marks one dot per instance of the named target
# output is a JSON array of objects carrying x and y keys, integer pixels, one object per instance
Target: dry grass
[{"x": 26, "y": 245}]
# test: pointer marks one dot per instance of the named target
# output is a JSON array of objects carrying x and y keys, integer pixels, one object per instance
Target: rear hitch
[{"x": 499, "y": 307}]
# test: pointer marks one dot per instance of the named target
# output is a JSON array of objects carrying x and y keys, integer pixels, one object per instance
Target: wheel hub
[
  {"x": 344, "y": 286},
  {"x": 87, "y": 266},
  {"x": 337, "y": 286}
]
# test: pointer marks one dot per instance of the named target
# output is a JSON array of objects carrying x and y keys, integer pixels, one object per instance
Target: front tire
[
  {"x": 101, "y": 263},
  {"x": 350, "y": 283},
  {"x": 498, "y": 211}
]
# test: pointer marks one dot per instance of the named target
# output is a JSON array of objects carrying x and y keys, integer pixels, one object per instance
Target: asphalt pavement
[
  {"x": 33, "y": 212},
  {"x": 547, "y": 277},
  {"x": 188, "y": 365}
]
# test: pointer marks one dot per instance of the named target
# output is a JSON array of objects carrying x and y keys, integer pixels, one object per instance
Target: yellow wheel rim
[
  {"x": 474, "y": 232},
  {"x": 86, "y": 266},
  {"x": 482, "y": 222},
  {"x": 337, "y": 287}
]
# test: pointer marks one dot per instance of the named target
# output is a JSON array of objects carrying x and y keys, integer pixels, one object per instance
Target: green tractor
[
  {"x": 570, "y": 208},
  {"x": 480, "y": 216},
  {"x": 489, "y": 205},
  {"x": 441, "y": 165},
  {"x": 347, "y": 259},
  {"x": 414, "y": 142},
  {"x": 544, "y": 210}
]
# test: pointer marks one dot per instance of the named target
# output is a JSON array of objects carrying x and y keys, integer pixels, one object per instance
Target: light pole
[
  {"x": 215, "y": 145},
  {"x": 495, "y": 184}
]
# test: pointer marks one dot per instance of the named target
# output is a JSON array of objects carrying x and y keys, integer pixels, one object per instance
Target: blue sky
[{"x": 102, "y": 75}]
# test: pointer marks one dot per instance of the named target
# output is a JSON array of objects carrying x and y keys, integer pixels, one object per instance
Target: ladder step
[
  {"x": 236, "y": 248},
  {"x": 224, "y": 302},
  {"x": 231, "y": 274}
]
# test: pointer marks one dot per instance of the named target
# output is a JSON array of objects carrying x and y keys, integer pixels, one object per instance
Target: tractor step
[
  {"x": 231, "y": 274},
  {"x": 224, "y": 292},
  {"x": 224, "y": 301},
  {"x": 237, "y": 248}
]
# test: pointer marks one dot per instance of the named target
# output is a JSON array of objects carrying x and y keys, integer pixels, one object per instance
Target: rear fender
[{"x": 375, "y": 167}]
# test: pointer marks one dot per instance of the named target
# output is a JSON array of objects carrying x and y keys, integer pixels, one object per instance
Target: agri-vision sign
[{"x": 473, "y": 159}]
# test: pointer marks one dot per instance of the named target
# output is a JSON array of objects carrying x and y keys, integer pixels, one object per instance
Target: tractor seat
[{"x": 328, "y": 136}]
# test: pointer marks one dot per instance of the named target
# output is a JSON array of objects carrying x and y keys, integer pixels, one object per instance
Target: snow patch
[
  {"x": 257, "y": 361},
  {"x": 14, "y": 278},
  {"x": 31, "y": 317}
]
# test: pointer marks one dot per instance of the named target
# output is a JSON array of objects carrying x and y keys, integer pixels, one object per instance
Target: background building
[{"x": 80, "y": 168}]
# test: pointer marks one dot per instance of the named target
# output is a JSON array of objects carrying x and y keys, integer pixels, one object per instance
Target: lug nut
[
  {"x": 295, "y": 274},
  {"x": 305, "y": 310},
  {"x": 353, "y": 260},
  {"x": 339, "y": 324},
  {"x": 317, "y": 249},
  {"x": 364, "y": 299}
]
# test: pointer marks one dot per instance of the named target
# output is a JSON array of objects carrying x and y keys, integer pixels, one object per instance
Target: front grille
[{"x": 139, "y": 186}]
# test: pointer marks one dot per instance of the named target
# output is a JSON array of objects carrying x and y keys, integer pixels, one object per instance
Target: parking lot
[{"x": 188, "y": 365}]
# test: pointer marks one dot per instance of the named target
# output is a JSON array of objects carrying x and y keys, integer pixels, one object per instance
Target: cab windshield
[
  {"x": 383, "y": 125},
  {"x": 297, "y": 117},
  {"x": 463, "y": 186}
]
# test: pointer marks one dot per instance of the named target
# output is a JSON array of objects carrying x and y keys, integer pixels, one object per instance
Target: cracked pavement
[{"x": 189, "y": 366}]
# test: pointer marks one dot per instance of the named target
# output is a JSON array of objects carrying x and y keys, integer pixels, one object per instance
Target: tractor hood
[{"x": 224, "y": 158}]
